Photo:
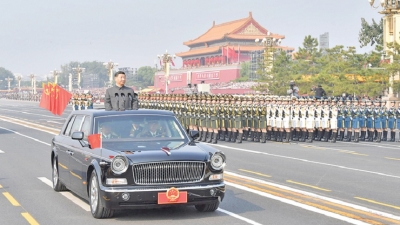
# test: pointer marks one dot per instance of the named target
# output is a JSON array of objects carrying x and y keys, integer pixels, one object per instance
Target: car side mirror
[
  {"x": 77, "y": 136},
  {"x": 194, "y": 134}
]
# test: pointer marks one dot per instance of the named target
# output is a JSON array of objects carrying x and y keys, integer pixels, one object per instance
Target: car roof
[{"x": 102, "y": 112}]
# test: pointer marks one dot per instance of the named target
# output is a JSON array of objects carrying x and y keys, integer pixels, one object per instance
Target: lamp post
[
  {"x": 9, "y": 82},
  {"x": 55, "y": 73},
  {"x": 269, "y": 43},
  {"x": 166, "y": 59},
  {"x": 19, "y": 78},
  {"x": 33, "y": 83},
  {"x": 390, "y": 11},
  {"x": 78, "y": 70},
  {"x": 110, "y": 67},
  {"x": 70, "y": 82}
]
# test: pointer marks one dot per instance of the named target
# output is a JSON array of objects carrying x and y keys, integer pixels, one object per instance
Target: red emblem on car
[{"x": 172, "y": 194}]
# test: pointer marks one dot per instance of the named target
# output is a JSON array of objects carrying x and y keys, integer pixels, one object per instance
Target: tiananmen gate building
[{"x": 214, "y": 57}]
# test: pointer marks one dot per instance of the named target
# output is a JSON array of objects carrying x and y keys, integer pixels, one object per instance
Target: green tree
[
  {"x": 4, "y": 74},
  {"x": 145, "y": 77},
  {"x": 370, "y": 33},
  {"x": 244, "y": 72},
  {"x": 93, "y": 67}
]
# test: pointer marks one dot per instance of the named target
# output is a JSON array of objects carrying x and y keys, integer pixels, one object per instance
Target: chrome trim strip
[{"x": 165, "y": 189}]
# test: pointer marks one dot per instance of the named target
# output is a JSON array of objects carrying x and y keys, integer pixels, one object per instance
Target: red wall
[{"x": 209, "y": 75}]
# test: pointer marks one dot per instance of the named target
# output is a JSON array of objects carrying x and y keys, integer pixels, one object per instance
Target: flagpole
[{"x": 238, "y": 53}]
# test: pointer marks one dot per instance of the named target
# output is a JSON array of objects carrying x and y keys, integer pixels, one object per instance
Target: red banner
[{"x": 94, "y": 140}]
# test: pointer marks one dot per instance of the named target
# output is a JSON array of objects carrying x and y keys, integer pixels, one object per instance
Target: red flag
[
  {"x": 172, "y": 62},
  {"x": 45, "y": 99},
  {"x": 62, "y": 99},
  {"x": 94, "y": 140}
]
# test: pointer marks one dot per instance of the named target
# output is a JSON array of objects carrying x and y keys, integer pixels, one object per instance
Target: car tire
[
  {"x": 211, "y": 207},
  {"x": 57, "y": 184},
  {"x": 96, "y": 207}
]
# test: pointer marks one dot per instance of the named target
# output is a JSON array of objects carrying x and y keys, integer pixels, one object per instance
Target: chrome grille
[{"x": 168, "y": 172}]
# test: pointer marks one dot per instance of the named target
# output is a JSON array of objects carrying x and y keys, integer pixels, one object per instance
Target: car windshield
[{"x": 138, "y": 127}]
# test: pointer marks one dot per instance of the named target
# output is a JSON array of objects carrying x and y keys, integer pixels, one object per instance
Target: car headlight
[
  {"x": 218, "y": 161},
  {"x": 119, "y": 164}
]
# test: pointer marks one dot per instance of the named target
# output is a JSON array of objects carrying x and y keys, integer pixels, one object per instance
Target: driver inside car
[
  {"x": 107, "y": 132},
  {"x": 153, "y": 129}
]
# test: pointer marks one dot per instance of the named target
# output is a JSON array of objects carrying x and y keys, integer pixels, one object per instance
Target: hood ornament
[{"x": 166, "y": 150}]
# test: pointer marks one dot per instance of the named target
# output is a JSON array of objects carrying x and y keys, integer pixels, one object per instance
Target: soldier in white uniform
[
  {"x": 318, "y": 117},
  {"x": 286, "y": 119},
  {"x": 302, "y": 119},
  {"x": 325, "y": 119},
  {"x": 333, "y": 114},
  {"x": 310, "y": 121},
  {"x": 295, "y": 119}
]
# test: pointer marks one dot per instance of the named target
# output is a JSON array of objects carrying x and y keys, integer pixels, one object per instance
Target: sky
[{"x": 39, "y": 36}]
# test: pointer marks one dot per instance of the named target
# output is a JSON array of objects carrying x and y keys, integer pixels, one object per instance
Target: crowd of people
[{"x": 261, "y": 118}]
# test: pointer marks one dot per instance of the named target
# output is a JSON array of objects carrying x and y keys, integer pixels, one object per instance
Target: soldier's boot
[
  {"x": 356, "y": 136},
  {"x": 245, "y": 135},
  {"x": 200, "y": 136},
  {"x": 310, "y": 137},
  {"x": 314, "y": 135},
  {"x": 362, "y": 136},
  {"x": 318, "y": 135},
  {"x": 222, "y": 135},
  {"x": 378, "y": 137},
  {"x": 228, "y": 137},
  {"x": 326, "y": 137},
  {"x": 392, "y": 136},
  {"x": 287, "y": 138},
  {"x": 263, "y": 137},
  {"x": 257, "y": 137},
  {"x": 334, "y": 136},
  {"x": 240, "y": 138},
  {"x": 234, "y": 136},
  {"x": 210, "y": 137},
  {"x": 370, "y": 136},
  {"x": 251, "y": 136},
  {"x": 269, "y": 132},
  {"x": 375, "y": 135},
  {"x": 279, "y": 136},
  {"x": 204, "y": 136},
  {"x": 348, "y": 137},
  {"x": 385, "y": 133},
  {"x": 296, "y": 135},
  {"x": 303, "y": 136},
  {"x": 215, "y": 136},
  {"x": 273, "y": 135}
]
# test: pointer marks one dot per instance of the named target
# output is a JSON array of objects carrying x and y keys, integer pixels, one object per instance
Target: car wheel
[
  {"x": 211, "y": 207},
  {"x": 96, "y": 206},
  {"x": 57, "y": 184}
]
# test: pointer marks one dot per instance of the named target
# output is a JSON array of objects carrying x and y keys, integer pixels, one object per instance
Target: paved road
[{"x": 272, "y": 183}]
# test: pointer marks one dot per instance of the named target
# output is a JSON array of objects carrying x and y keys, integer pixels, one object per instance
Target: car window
[
  {"x": 86, "y": 127},
  {"x": 68, "y": 129},
  {"x": 76, "y": 125},
  {"x": 138, "y": 127}
]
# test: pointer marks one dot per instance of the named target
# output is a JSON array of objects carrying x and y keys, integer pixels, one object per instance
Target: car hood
[{"x": 198, "y": 152}]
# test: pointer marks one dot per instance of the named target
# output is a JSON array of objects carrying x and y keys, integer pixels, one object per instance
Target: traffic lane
[
  {"x": 324, "y": 155},
  {"x": 341, "y": 183},
  {"x": 9, "y": 214},
  {"x": 270, "y": 211},
  {"x": 34, "y": 163}
]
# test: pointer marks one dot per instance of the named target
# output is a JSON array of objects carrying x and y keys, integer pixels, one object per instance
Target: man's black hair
[{"x": 118, "y": 73}]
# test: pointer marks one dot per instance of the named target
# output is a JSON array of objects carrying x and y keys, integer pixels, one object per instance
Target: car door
[
  {"x": 78, "y": 159},
  {"x": 63, "y": 155},
  {"x": 73, "y": 146}
]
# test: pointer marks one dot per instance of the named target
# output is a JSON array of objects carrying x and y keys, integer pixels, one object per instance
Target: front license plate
[{"x": 172, "y": 196}]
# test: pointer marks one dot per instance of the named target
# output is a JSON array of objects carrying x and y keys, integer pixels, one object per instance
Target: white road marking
[
  {"x": 388, "y": 215},
  {"x": 309, "y": 161},
  {"x": 297, "y": 204},
  {"x": 68, "y": 195},
  {"x": 54, "y": 122},
  {"x": 238, "y": 217},
  {"x": 23, "y": 135},
  {"x": 19, "y": 111},
  {"x": 1, "y": 151}
]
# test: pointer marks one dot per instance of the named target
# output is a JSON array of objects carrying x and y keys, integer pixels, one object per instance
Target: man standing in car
[{"x": 120, "y": 97}]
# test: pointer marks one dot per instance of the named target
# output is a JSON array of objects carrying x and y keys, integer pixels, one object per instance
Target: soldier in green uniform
[
  {"x": 213, "y": 119},
  {"x": 221, "y": 118},
  {"x": 229, "y": 123},
  {"x": 237, "y": 120},
  {"x": 262, "y": 112}
]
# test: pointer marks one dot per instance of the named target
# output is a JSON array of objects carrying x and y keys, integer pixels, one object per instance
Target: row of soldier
[
  {"x": 81, "y": 101},
  {"x": 261, "y": 118},
  {"x": 23, "y": 96}
]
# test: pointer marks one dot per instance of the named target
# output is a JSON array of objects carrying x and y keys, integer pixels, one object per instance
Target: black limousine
[{"x": 145, "y": 159}]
